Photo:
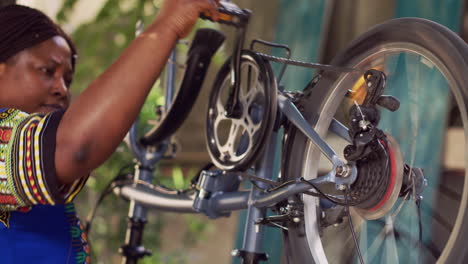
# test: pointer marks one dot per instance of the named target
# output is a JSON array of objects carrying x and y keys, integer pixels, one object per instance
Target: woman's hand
[{"x": 181, "y": 15}]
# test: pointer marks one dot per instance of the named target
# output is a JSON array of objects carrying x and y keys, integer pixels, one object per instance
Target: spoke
[
  {"x": 251, "y": 75},
  {"x": 220, "y": 109},
  {"x": 397, "y": 211},
  {"x": 376, "y": 244},
  {"x": 227, "y": 147},
  {"x": 233, "y": 130},
  {"x": 391, "y": 251},
  {"x": 380, "y": 238},
  {"x": 250, "y": 96},
  {"x": 233, "y": 134},
  {"x": 250, "y": 128},
  {"x": 250, "y": 79},
  {"x": 413, "y": 103},
  {"x": 216, "y": 124},
  {"x": 385, "y": 236},
  {"x": 219, "y": 104},
  {"x": 363, "y": 241}
]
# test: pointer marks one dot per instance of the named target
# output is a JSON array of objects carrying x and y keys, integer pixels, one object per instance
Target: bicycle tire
[
  {"x": 427, "y": 42},
  {"x": 256, "y": 122},
  {"x": 205, "y": 43}
]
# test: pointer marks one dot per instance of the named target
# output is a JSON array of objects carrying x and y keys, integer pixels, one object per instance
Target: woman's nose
[{"x": 60, "y": 88}]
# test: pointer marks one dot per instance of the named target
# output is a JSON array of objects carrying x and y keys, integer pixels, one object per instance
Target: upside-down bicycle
[{"x": 366, "y": 204}]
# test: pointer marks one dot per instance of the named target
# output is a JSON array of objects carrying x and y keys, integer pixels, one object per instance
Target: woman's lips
[{"x": 53, "y": 107}]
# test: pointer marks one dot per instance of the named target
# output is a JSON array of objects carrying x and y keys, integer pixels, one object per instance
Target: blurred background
[{"x": 315, "y": 30}]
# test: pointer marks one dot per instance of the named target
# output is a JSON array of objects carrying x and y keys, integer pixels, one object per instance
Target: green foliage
[
  {"x": 65, "y": 11},
  {"x": 102, "y": 40}
]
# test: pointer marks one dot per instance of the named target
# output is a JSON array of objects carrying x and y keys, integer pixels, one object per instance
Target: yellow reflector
[{"x": 358, "y": 92}]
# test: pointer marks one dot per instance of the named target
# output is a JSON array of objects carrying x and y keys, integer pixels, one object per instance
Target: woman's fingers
[
  {"x": 181, "y": 15},
  {"x": 210, "y": 7}
]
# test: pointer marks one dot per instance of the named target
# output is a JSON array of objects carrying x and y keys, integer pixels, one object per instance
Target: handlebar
[{"x": 230, "y": 14}]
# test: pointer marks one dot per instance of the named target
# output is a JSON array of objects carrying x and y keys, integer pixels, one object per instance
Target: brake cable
[{"x": 351, "y": 227}]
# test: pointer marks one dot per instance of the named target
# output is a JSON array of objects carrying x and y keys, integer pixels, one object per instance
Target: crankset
[{"x": 235, "y": 141}]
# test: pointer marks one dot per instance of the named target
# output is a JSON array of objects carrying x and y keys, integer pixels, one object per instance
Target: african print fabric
[{"x": 38, "y": 222}]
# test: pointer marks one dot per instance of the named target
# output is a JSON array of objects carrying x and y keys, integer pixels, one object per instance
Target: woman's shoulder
[
  {"x": 12, "y": 114},
  {"x": 12, "y": 117}
]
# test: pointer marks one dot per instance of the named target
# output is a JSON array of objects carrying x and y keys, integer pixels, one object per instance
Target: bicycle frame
[
  {"x": 215, "y": 203},
  {"x": 216, "y": 196},
  {"x": 239, "y": 200}
]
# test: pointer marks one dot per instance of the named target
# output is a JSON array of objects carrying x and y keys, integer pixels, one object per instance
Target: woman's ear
[{"x": 2, "y": 68}]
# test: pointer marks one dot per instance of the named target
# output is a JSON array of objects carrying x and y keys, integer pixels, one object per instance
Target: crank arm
[
  {"x": 290, "y": 110},
  {"x": 233, "y": 109}
]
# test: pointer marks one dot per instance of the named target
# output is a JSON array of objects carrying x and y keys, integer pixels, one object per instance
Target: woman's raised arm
[{"x": 101, "y": 115}]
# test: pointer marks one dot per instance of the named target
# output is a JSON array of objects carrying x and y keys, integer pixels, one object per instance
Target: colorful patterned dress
[{"x": 38, "y": 222}]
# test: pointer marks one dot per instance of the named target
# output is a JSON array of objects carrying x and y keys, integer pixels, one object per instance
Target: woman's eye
[
  {"x": 68, "y": 82},
  {"x": 47, "y": 70}
]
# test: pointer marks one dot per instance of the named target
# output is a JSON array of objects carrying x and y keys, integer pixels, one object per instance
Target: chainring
[{"x": 236, "y": 143}]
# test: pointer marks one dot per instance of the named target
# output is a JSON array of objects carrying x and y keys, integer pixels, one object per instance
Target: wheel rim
[{"x": 391, "y": 248}]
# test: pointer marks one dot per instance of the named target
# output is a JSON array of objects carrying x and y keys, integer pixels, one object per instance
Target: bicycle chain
[{"x": 308, "y": 64}]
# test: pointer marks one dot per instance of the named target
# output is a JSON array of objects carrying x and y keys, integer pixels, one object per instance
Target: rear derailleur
[{"x": 382, "y": 174}]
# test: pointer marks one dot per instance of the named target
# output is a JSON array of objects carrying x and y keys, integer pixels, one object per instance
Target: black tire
[
  {"x": 234, "y": 144},
  {"x": 429, "y": 43}
]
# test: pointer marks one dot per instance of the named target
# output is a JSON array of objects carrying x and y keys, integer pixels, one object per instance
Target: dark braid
[{"x": 22, "y": 27}]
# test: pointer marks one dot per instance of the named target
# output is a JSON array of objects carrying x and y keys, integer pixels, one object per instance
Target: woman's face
[{"x": 36, "y": 80}]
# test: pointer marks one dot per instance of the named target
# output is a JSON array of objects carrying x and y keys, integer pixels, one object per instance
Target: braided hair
[{"x": 22, "y": 27}]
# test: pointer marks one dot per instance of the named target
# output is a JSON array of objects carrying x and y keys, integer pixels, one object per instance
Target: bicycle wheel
[
  {"x": 417, "y": 56},
  {"x": 205, "y": 43},
  {"x": 235, "y": 143}
]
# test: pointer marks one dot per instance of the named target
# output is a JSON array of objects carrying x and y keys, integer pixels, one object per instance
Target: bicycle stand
[
  {"x": 251, "y": 252},
  {"x": 133, "y": 250},
  {"x": 249, "y": 257}
]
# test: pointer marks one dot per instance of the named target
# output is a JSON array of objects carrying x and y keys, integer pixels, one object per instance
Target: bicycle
[{"x": 365, "y": 190}]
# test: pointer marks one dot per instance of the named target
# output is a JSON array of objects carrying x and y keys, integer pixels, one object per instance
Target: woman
[{"x": 49, "y": 146}]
